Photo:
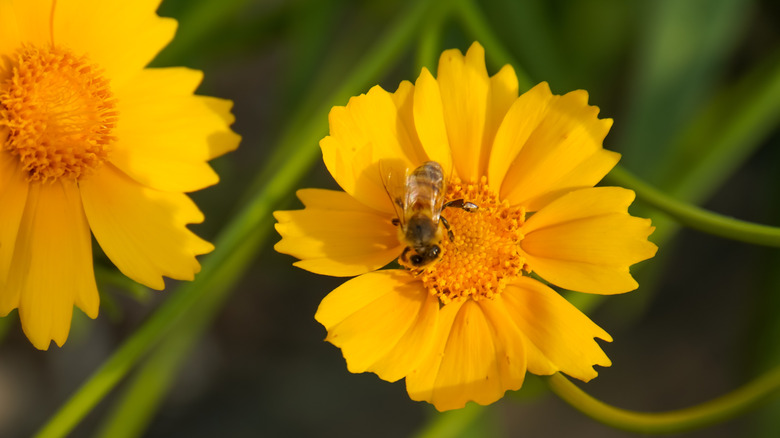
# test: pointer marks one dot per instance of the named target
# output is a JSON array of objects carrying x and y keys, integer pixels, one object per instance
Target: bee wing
[
  {"x": 394, "y": 175},
  {"x": 425, "y": 188}
]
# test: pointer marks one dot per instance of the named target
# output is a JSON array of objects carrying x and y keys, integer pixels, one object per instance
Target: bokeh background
[{"x": 693, "y": 88}]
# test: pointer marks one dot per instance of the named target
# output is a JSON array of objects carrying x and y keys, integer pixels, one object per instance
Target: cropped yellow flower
[
  {"x": 468, "y": 327},
  {"x": 92, "y": 140}
]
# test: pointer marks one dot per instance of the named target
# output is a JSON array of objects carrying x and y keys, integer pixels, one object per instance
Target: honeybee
[{"x": 418, "y": 199}]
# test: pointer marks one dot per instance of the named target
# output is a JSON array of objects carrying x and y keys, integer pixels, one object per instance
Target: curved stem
[
  {"x": 696, "y": 217},
  {"x": 705, "y": 414}
]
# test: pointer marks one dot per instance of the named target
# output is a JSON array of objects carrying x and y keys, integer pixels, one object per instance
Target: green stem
[
  {"x": 696, "y": 217},
  {"x": 705, "y": 414},
  {"x": 475, "y": 22},
  {"x": 301, "y": 151}
]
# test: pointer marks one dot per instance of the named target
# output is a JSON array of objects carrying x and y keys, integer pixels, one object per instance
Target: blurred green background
[{"x": 694, "y": 89}]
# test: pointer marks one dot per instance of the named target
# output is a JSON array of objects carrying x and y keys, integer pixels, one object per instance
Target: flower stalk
[
  {"x": 706, "y": 414},
  {"x": 696, "y": 217}
]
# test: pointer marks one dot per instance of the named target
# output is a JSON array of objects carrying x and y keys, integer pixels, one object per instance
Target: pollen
[
  {"x": 57, "y": 114},
  {"x": 483, "y": 254}
]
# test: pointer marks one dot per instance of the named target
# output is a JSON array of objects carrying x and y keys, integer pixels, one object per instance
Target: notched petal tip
[
  {"x": 559, "y": 336},
  {"x": 143, "y": 231}
]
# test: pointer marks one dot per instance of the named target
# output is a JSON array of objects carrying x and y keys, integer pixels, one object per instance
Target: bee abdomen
[{"x": 429, "y": 174}]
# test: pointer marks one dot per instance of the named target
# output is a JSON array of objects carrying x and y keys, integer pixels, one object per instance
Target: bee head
[{"x": 420, "y": 257}]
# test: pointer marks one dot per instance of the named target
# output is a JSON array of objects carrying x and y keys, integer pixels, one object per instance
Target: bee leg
[
  {"x": 455, "y": 203},
  {"x": 460, "y": 203},
  {"x": 396, "y": 221},
  {"x": 447, "y": 226}
]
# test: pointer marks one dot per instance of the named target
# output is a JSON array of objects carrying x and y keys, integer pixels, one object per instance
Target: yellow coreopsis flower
[
  {"x": 468, "y": 325},
  {"x": 92, "y": 140}
]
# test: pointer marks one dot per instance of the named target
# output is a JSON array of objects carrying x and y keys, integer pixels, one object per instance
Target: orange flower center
[
  {"x": 484, "y": 252},
  {"x": 56, "y": 113}
]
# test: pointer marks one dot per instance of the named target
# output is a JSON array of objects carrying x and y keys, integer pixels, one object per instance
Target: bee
[{"x": 418, "y": 199}]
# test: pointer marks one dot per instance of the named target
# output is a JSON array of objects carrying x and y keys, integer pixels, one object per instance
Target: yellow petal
[
  {"x": 549, "y": 144},
  {"x": 585, "y": 175},
  {"x": 13, "y": 197},
  {"x": 520, "y": 121},
  {"x": 384, "y": 322},
  {"x": 503, "y": 93},
  {"x": 121, "y": 37},
  {"x": 26, "y": 21},
  {"x": 464, "y": 86},
  {"x": 404, "y": 102},
  {"x": 335, "y": 200},
  {"x": 167, "y": 134},
  {"x": 336, "y": 235},
  {"x": 586, "y": 241},
  {"x": 367, "y": 130},
  {"x": 52, "y": 264},
  {"x": 477, "y": 355},
  {"x": 429, "y": 120},
  {"x": 22, "y": 21},
  {"x": 560, "y": 337},
  {"x": 143, "y": 231},
  {"x": 511, "y": 354}
]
